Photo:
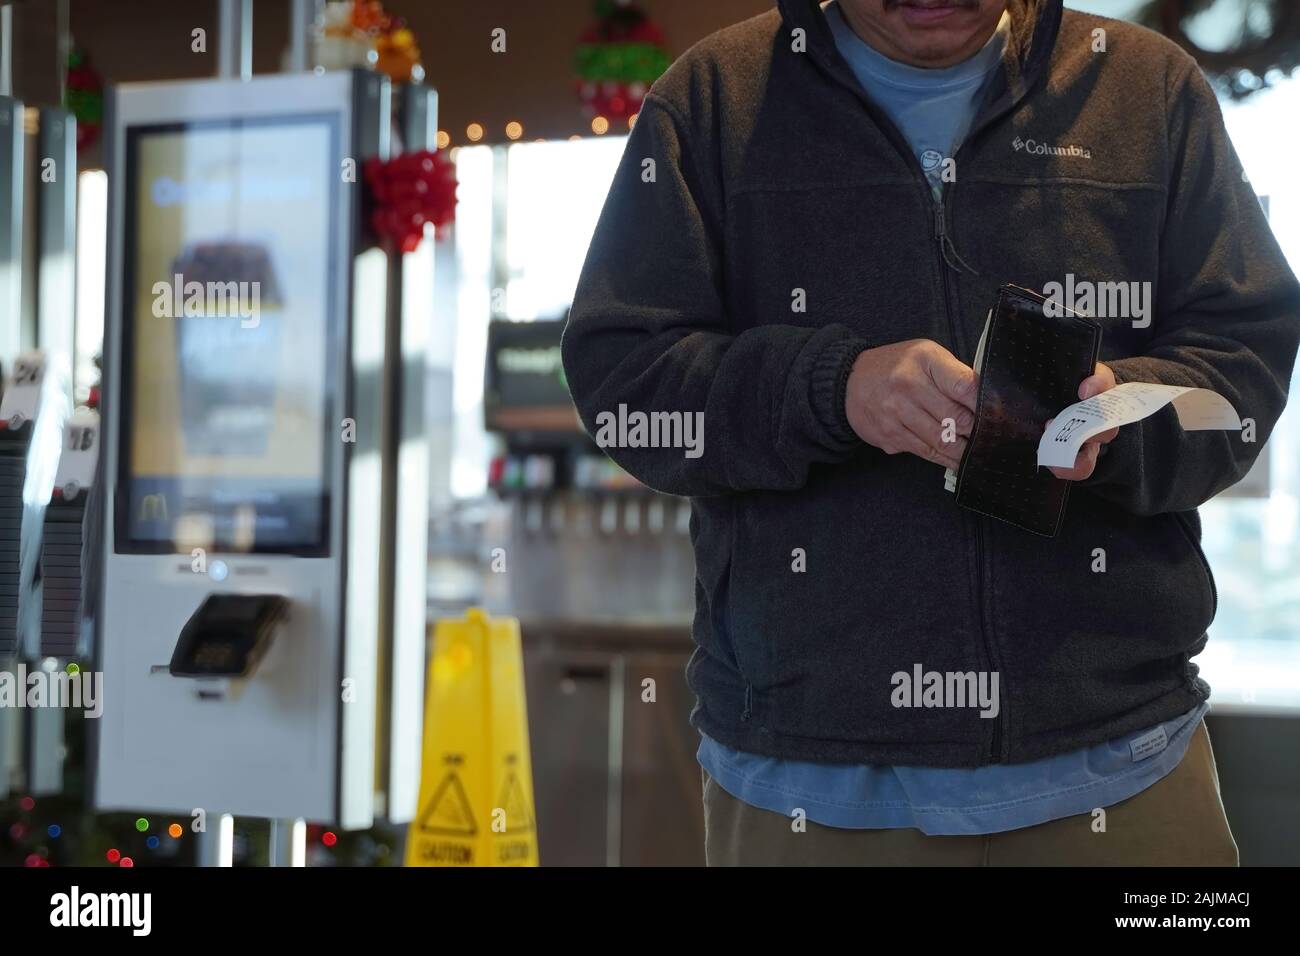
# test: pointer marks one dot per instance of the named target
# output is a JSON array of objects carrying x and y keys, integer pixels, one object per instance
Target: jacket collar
[{"x": 1034, "y": 27}]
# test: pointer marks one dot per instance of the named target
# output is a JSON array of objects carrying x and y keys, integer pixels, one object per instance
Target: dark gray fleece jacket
[{"x": 768, "y": 223}]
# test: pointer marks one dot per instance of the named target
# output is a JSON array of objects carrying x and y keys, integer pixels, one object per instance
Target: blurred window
[
  {"x": 1252, "y": 533},
  {"x": 525, "y": 215}
]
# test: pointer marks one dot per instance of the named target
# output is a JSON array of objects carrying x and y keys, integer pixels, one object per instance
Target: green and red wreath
[
  {"x": 618, "y": 57},
  {"x": 83, "y": 97}
]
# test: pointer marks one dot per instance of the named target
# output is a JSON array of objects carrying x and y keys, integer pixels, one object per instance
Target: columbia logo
[{"x": 1036, "y": 148}]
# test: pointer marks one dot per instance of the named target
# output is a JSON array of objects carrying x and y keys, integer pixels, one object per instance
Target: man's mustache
[{"x": 931, "y": 4}]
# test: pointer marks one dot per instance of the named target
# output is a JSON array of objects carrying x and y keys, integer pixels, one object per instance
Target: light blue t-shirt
[
  {"x": 934, "y": 109},
  {"x": 954, "y": 801}
]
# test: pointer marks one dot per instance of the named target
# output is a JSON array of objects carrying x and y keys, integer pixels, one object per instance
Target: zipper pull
[{"x": 954, "y": 260}]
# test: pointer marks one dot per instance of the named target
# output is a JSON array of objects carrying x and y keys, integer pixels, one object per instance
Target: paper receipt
[{"x": 1198, "y": 409}]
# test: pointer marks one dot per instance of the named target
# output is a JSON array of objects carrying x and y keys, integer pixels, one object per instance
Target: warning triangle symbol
[
  {"x": 515, "y": 804},
  {"x": 448, "y": 812}
]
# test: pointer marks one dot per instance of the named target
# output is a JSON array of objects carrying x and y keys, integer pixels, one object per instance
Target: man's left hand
[{"x": 1102, "y": 380}]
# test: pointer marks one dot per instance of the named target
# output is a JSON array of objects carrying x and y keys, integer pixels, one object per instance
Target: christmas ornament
[
  {"x": 339, "y": 43},
  {"x": 360, "y": 33},
  {"x": 618, "y": 57},
  {"x": 399, "y": 57},
  {"x": 409, "y": 192},
  {"x": 83, "y": 97}
]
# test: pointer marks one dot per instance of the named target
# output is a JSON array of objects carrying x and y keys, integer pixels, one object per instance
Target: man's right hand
[{"x": 900, "y": 395}]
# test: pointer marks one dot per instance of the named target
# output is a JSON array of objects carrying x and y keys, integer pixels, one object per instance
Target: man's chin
[
  {"x": 934, "y": 49},
  {"x": 936, "y": 43}
]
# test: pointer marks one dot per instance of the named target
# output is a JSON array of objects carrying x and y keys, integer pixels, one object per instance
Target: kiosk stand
[{"x": 245, "y": 349}]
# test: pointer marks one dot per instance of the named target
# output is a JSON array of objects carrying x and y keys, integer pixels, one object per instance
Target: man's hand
[
  {"x": 1102, "y": 380},
  {"x": 915, "y": 397}
]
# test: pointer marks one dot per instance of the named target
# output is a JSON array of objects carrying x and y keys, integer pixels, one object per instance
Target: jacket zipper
[
  {"x": 944, "y": 242},
  {"x": 976, "y": 521},
  {"x": 995, "y": 746}
]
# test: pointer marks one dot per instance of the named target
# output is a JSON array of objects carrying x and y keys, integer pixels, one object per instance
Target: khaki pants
[{"x": 1177, "y": 821}]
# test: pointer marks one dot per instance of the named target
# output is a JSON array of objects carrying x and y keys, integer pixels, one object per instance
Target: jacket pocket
[
  {"x": 715, "y": 571},
  {"x": 744, "y": 665},
  {"x": 1189, "y": 523}
]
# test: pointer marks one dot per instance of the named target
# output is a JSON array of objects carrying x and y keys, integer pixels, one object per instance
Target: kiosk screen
[{"x": 229, "y": 341}]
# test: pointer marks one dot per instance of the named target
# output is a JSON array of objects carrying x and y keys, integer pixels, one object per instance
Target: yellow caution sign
[{"x": 476, "y": 781}]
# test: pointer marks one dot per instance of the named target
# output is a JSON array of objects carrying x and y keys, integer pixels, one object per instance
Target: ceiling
[{"x": 531, "y": 83}]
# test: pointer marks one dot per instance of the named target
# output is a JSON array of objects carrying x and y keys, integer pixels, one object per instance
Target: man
[{"x": 811, "y": 219}]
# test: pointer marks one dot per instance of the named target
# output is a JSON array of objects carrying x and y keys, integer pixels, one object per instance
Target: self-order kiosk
[{"x": 243, "y": 449}]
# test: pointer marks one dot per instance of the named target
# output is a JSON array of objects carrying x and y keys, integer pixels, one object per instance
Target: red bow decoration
[{"x": 408, "y": 192}]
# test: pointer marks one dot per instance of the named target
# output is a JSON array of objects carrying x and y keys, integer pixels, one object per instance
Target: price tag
[
  {"x": 23, "y": 392},
  {"x": 80, "y": 453}
]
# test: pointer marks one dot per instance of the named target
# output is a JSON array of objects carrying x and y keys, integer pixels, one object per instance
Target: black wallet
[{"x": 1030, "y": 366}]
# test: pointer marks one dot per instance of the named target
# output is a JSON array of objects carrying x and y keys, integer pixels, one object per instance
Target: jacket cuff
[{"x": 829, "y": 385}]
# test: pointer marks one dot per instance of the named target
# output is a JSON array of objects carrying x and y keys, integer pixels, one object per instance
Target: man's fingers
[
  {"x": 947, "y": 455},
  {"x": 953, "y": 379},
  {"x": 1101, "y": 380},
  {"x": 927, "y": 438},
  {"x": 1083, "y": 464},
  {"x": 945, "y": 411},
  {"x": 1090, "y": 386}
]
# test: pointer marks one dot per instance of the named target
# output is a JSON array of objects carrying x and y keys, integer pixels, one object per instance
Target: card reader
[{"x": 228, "y": 635}]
